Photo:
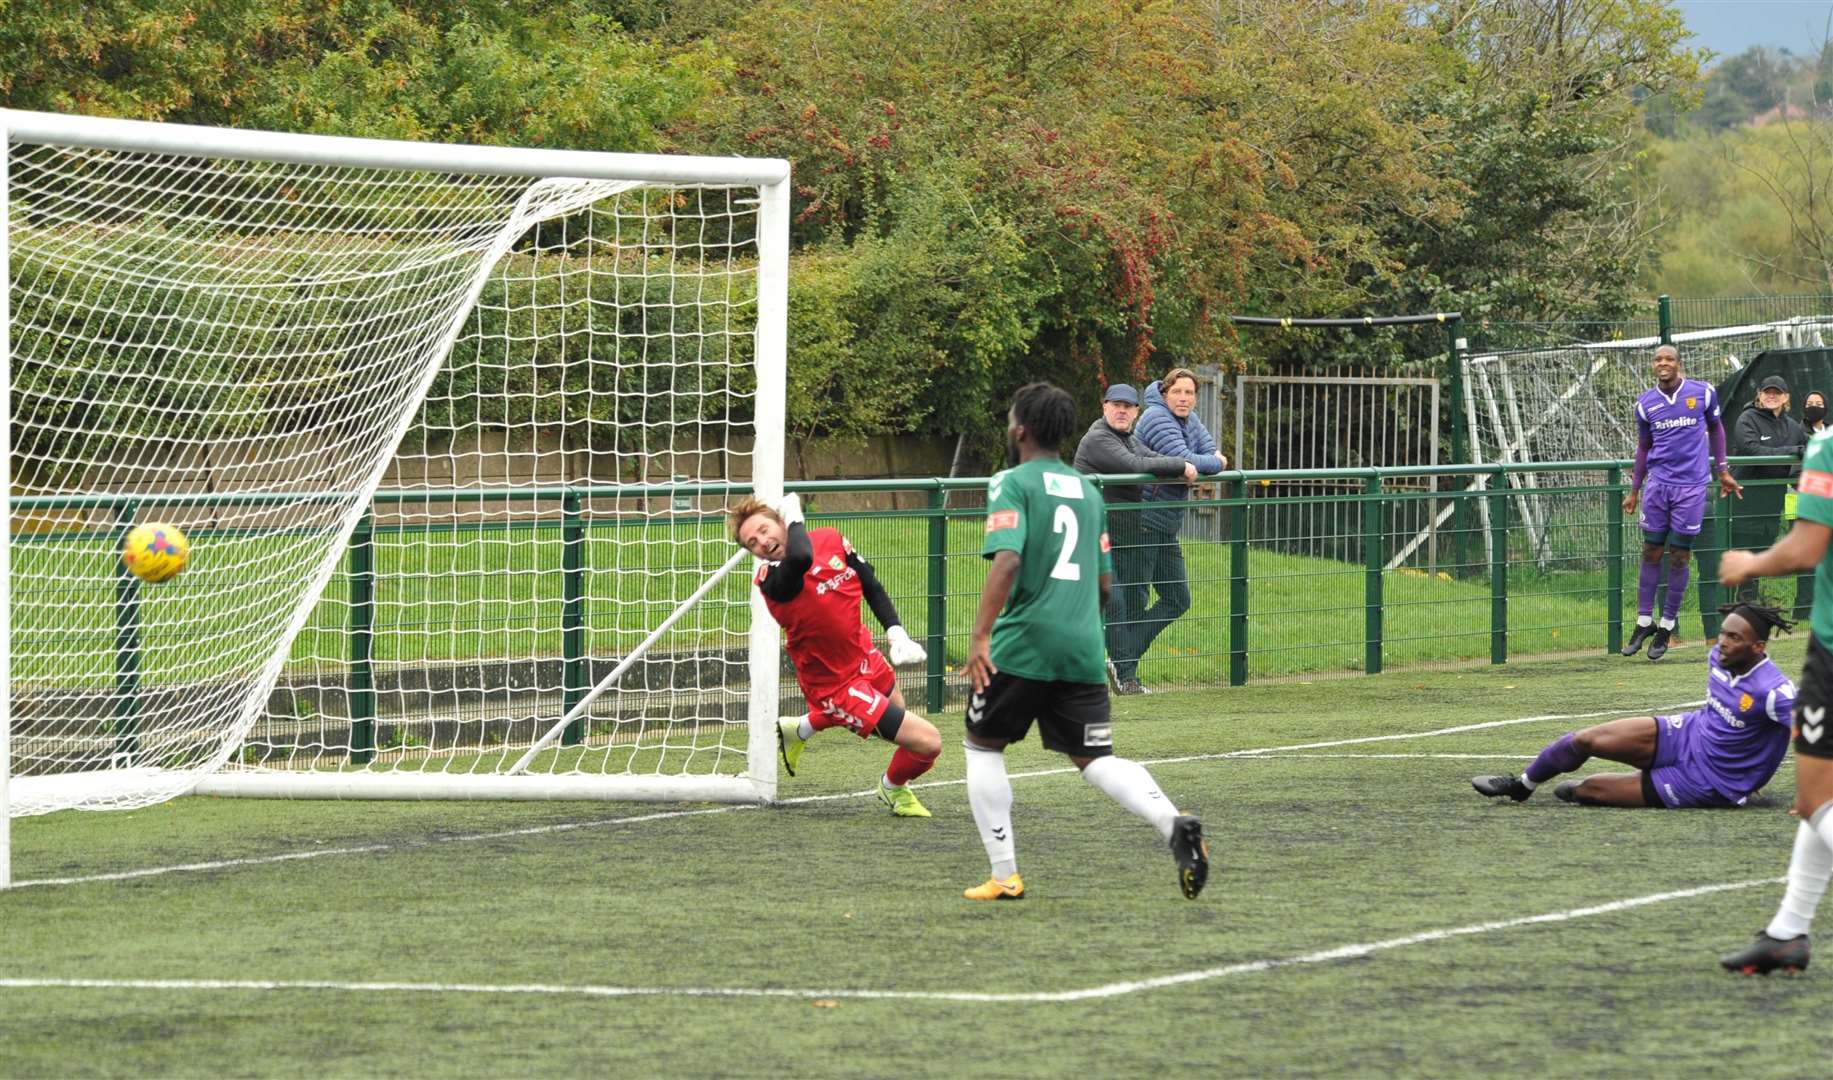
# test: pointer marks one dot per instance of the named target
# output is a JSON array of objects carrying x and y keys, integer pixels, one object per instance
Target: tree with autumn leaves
[{"x": 994, "y": 192}]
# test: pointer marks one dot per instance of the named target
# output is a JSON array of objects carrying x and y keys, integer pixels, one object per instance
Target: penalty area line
[
  {"x": 665, "y": 815},
  {"x": 1106, "y": 990}
]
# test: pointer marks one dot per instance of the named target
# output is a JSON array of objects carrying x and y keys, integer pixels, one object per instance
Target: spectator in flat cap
[{"x": 1111, "y": 447}]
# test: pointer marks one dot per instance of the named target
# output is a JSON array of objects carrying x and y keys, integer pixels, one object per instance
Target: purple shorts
[
  {"x": 1672, "y": 509},
  {"x": 1679, "y": 778}
]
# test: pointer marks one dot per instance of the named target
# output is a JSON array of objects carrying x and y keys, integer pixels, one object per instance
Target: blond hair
[{"x": 744, "y": 511}]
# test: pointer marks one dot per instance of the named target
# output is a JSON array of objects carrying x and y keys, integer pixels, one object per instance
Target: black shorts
[
  {"x": 1073, "y": 718},
  {"x": 1813, "y": 728}
]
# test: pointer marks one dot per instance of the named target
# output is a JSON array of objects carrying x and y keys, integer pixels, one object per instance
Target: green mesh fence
[{"x": 1385, "y": 573}]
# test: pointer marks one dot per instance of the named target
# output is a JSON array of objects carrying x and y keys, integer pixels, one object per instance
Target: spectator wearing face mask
[{"x": 1814, "y": 411}]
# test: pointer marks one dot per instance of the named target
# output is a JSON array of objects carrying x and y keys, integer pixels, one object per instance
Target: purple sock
[
  {"x": 1677, "y": 589},
  {"x": 1646, "y": 581},
  {"x": 1559, "y": 756}
]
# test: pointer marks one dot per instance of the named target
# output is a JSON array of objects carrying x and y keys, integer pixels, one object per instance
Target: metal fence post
[
  {"x": 938, "y": 597},
  {"x": 127, "y": 652},
  {"x": 362, "y": 641},
  {"x": 1664, "y": 315},
  {"x": 1708, "y": 583},
  {"x": 1374, "y": 520},
  {"x": 1498, "y": 568},
  {"x": 573, "y": 680},
  {"x": 1460, "y": 445},
  {"x": 1237, "y": 589},
  {"x": 1613, "y": 565}
]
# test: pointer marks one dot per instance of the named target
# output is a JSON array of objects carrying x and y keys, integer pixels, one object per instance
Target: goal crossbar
[{"x": 107, "y": 133}]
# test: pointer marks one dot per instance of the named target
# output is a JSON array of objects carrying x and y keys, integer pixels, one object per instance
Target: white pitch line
[
  {"x": 1106, "y": 990},
  {"x": 1458, "y": 730},
  {"x": 663, "y": 815},
  {"x": 320, "y": 853},
  {"x": 1390, "y": 757}
]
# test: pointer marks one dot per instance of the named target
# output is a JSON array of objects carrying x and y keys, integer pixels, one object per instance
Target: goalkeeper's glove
[
  {"x": 789, "y": 508},
  {"x": 904, "y": 650}
]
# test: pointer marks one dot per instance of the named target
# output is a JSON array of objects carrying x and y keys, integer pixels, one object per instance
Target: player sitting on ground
[
  {"x": 812, "y": 583},
  {"x": 1719, "y": 755},
  {"x": 1038, "y": 654}
]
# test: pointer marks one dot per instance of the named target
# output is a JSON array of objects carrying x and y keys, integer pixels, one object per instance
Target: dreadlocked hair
[
  {"x": 1046, "y": 412},
  {"x": 1761, "y": 617}
]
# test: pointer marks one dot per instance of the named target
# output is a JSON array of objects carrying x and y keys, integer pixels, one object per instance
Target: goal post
[
  {"x": 6, "y": 564},
  {"x": 450, "y": 429}
]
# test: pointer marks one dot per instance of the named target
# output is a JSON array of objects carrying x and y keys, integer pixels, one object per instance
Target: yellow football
[{"x": 155, "y": 553}]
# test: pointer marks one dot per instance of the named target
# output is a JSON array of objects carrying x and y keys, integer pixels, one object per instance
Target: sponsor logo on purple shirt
[{"x": 1745, "y": 725}]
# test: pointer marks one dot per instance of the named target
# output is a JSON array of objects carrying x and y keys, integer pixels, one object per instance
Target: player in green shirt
[
  {"x": 1783, "y": 944},
  {"x": 1038, "y": 654}
]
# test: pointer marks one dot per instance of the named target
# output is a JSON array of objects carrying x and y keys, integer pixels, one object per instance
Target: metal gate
[{"x": 1342, "y": 421}]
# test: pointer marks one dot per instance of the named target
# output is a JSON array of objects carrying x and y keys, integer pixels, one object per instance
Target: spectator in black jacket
[
  {"x": 1111, "y": 447},
  {"x": 1763, "y": 428}
]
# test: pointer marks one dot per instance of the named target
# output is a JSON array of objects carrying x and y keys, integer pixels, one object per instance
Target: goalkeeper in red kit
[{"x": 813, "y": 582}]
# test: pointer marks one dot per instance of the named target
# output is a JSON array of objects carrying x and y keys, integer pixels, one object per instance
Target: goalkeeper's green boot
[
  {"x": 902, "y": 801},
  {"x": 790, "y": 743}
]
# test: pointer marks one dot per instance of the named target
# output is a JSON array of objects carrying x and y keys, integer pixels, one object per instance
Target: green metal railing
[{"x": 1265, "y": 601}]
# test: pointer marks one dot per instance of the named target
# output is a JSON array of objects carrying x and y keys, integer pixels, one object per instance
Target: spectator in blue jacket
[
  {"x": 1111, "y": 447},
  {"x": 1166, "y": 427}
]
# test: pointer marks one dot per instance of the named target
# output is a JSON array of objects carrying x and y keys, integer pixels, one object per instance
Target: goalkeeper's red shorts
[{"x": 857, "y": 705}]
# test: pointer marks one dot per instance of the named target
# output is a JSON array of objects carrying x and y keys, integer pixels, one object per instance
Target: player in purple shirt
[
  {"x": 1677, "y": 423},
  {"x": 1719, "y": 755}
]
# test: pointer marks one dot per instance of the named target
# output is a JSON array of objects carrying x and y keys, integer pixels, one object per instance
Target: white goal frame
[{"x": 770, "y": 178}]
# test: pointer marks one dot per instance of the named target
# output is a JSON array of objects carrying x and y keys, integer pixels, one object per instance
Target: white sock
[
  {"x": 1667, "y": 623},
  {"x": 1129, "y": 784},
  {"x": 990, "y": 795},
  {"x": 1808, "y": 870},
  {"x": 885, "y": 782},
  {"x": 1525, "y": 782},
  {"x": 1645, "y": 620},
  {"x": 806, "y": 729}
]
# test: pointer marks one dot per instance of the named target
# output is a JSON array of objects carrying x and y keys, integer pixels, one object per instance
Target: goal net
[
  {"x": 1577, "y": 403},
  {"x": 449, "y": 429}
]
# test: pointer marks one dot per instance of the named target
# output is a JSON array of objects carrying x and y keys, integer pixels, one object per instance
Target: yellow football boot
[{"x": 1012, "y": 888}]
